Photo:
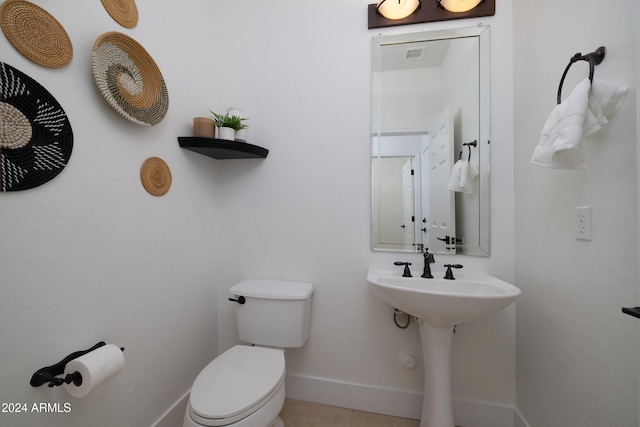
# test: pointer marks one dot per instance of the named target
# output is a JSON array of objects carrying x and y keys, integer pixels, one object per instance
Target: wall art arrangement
[
  {"x": 129, "y": 79},
  {"x": 124, "y": 12},
  {"x": 155, "y": 176},
  {"x": 36, "y": 139},
  {"x": 35, "y": 33}
]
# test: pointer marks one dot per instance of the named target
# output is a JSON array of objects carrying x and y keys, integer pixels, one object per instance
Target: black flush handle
[{"x": 239, "y": 300}]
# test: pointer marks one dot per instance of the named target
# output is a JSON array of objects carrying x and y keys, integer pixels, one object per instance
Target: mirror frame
[{"x": 482, "y": 32}]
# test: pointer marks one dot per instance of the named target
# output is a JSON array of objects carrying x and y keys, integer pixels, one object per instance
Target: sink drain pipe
[{"x": 397, "y": 313}]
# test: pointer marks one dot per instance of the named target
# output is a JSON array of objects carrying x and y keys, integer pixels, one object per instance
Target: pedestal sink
[{"x": 439, "y": 305}]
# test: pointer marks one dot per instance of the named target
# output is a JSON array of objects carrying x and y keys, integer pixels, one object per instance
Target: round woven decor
[
  {"x": 36, "y": 139},
  {"x": 155, "y": 176},
  {"x": 124, "y": 12},
  {"x": 35, "y": 33},
  {"x": 129, "y": 79}
]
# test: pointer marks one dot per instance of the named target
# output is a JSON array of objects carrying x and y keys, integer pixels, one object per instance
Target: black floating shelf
[
  {"x": 222, "y": 148},
  {"x": 632, "y": 311}
]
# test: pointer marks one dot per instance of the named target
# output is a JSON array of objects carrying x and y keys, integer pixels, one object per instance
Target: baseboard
[
  {"x": 519, "y": 421},
  {"x": 389, "y": 401},
  {"x": 395, "y": 402},
  {"x": 174, "y": 416}
]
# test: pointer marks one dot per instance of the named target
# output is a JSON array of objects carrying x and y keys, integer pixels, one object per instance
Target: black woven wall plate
[{"x": 36, "y": 139}]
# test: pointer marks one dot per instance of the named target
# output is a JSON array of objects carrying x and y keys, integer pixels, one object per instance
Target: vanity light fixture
[
  {"x": 389, "y": 13},
  {"x": 458, "y": 5},
  {"x": 397, "y": 9}
]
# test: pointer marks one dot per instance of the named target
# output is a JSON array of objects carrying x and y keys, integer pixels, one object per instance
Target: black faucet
[
  {"x": 428, "y": 259},
  {"x": 407, "y": 272},
  {"x": 449, "y": 274}
]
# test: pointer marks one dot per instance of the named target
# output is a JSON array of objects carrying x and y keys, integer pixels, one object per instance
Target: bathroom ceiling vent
[{"x": 414, "y": 54}]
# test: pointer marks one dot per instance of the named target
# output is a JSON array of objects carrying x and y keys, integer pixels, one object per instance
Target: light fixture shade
[
  {"x": 397, "y": 9},
  {"x": 459, "y": 5}
]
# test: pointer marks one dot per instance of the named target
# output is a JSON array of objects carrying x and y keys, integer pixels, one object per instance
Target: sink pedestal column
[{"x": 436, "y": 350}]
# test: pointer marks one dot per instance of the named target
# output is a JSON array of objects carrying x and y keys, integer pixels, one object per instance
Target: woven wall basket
[
  {"x": 155, "y": 176},
  {"x": 124, "y": 12},
  {"x": 35, "y": 33},
  {"x": 36, "y": 139},
  {"x": 129, "y": 79}
]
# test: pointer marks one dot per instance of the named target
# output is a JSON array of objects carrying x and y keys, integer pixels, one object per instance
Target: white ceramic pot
[
  {"x": 227, "y": 133},
  {"x": 241, "y": 135}
]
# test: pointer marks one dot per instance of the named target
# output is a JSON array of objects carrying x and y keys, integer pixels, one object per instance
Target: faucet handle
[
  {"x": 449, "y": 274},
  {"x": 407, "y": 272},
  {"x": 428, "y": 256}
]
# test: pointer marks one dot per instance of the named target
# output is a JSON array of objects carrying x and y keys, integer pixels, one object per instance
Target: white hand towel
[
  {"x": 560, "y": 144},
  {"x": 465, "y": 179},
  {"x": 462, "y": 174},
  {"x": 604, "y": 100},
  {"x": 455, "y": 176},
  {"x": 472, "y": 172}
]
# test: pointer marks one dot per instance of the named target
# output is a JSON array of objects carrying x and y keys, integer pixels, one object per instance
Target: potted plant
[
  {"x": 228, "y": 125},
  {"x": 241, "y": 129}
]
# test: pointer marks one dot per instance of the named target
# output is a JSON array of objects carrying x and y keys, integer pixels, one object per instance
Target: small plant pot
[
  {"x": 204, "y": 127},
  {"x": 227, "y": 133},
  {"x": 241, "y": 135}
]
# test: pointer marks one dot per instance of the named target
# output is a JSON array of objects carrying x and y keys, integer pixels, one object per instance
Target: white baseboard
[
  {"x": 399, "y": 403},
  {"x": 174, "y": 416},
  {"x": 362, "y": 397},
  {"x": 519, "y": 421},
  {"x": 395, "y": 402}
]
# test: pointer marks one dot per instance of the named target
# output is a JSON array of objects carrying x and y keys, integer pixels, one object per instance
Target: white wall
[
  {"x": 577, "y": 354},
  {"x": 301, "y": 71},
  {"x": 91, "y": 256}
]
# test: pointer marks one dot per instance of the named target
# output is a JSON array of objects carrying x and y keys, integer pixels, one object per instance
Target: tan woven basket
[
  {"x": 129, "y": 79},
  {"x": 35, "y": 33},
  {"x": 155, "y": 176},
  {"x": 124, "y": 12}
]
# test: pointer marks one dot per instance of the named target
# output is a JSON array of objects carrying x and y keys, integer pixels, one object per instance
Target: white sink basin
[{"x": 440, "y": 302}]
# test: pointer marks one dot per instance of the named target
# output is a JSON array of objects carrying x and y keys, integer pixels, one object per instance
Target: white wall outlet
[{"x": 583, "y": 222}]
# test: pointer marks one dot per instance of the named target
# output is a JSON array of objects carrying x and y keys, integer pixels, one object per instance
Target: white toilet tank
[{"x": 275, "y": 313}]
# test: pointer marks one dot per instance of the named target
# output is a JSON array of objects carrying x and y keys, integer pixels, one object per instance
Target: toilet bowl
[{"x": 244, "y": 386}]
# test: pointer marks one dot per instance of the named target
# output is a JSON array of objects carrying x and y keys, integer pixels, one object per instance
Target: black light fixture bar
[{"x": 430, "y": 11}]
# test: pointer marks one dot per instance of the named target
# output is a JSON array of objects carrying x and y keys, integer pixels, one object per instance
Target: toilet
[{"x": 244, "y": 386}]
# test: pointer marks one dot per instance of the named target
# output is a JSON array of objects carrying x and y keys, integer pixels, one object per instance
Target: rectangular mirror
[{"x": 430, "y": 142}]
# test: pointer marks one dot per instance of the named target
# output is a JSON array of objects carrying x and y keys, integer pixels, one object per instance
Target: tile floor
[{"x": 296, "y": 413}]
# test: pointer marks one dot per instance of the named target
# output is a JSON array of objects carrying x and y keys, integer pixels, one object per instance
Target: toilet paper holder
[{"x": 49, "y": 374}]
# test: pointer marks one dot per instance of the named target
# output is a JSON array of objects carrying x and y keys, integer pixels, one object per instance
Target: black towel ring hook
[
  {"x": 594, "y": 58},
  {"x": 469, "y": 145}
]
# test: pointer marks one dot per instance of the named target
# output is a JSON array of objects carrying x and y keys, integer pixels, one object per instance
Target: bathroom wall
[
  {"x": 91, "y": 256},
  {"x": 301, "y": 71},
  {"x": 577, "y": 354}
]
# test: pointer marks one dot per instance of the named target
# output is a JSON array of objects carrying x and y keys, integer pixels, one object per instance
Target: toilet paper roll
[{"x": 96, "y": 368}]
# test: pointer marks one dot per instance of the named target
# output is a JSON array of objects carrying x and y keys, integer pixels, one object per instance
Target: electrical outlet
[{"x": 583, "y": 223}]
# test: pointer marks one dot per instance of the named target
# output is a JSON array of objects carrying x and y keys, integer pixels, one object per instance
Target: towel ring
[
  {"x": 468, "y": 145},
  {"x": 594, "y": 58}
]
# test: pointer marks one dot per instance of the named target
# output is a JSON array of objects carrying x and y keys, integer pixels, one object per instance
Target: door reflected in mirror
[{"x": 430, "y": 142}]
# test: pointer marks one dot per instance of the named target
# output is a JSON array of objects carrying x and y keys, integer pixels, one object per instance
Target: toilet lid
[{"x": 236, "y": 381}]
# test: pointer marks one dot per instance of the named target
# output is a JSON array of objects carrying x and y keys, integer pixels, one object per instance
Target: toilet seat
[{"x": 236, "y": 384}]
